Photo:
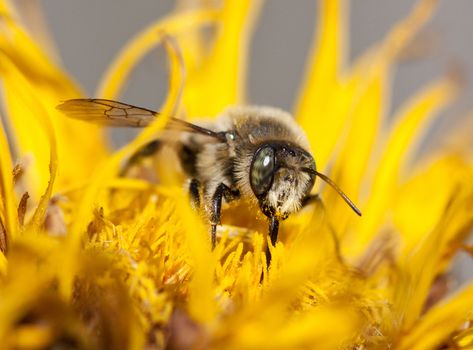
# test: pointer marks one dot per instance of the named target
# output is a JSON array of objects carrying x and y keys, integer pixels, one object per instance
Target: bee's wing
[
  {"x": 107, "y": 112},
  {"x": 114, "y": 113}
]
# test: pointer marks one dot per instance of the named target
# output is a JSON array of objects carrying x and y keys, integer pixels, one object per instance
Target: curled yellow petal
[
  {"x": 20, "y": 91},
  {"x": 49, "y": 85},
  {"x": 109, "y": 169},
  {"x": 118, "y": 72}
]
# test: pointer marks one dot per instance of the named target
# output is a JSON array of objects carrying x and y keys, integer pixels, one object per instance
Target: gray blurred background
[{"x": 89, "y": 33}]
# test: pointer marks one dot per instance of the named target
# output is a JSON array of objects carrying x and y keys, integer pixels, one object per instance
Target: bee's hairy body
[
  {"x": 213, "y": 163},
  {"x": 256, "y": 154}
]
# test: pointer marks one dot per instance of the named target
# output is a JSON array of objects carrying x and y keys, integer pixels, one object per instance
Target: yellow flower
[{"x": 92, "y": 260}]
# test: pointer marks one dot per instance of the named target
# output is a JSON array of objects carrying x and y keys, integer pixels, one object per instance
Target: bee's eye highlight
[{"x": 262, "y": 171}]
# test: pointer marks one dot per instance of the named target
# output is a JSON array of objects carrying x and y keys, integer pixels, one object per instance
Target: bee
[{"x": 257, "y": 154}]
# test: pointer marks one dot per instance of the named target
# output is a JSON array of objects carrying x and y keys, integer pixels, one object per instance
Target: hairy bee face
[{"x": 279, "y": 179}]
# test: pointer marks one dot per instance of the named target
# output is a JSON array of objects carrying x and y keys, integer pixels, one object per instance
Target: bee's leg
[
  {"x": 146, "y": 151},
  {"x": 273, "y": 235},
  {"x": 315, "y": 198},
  {"x": 222, "y": 191},
  {"x": 194, "y": 193},
  {"x": 273, "y": 230}
]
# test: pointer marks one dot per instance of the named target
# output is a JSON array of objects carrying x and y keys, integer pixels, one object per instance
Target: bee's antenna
[{"x": 335, "y": 187}]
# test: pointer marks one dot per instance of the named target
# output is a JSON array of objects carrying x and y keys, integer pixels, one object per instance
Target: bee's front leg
[
  {"x": 273, "y": 235},
  {"x": 273, "y": 230},
  {"x": 222, "y": 191},
  {"x": 313, "y": 198},
  {"x": 194, "y": 193}
]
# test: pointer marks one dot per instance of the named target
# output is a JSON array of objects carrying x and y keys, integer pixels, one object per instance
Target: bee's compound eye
[
  {"x": 262, "y": 171},
  {"x": 230, "y": 135}
]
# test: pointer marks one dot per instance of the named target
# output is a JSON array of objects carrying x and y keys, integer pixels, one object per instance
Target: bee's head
[{"x": 280, "y": 179}]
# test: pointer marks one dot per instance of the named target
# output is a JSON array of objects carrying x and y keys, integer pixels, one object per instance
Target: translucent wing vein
[{"x": 107, "y": 112}]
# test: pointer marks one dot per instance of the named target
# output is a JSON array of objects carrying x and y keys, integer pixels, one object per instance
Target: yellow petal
[
  {"x": 418, "y": 267},
  {"x": 28, "y": 135},
  {"x": 411, "y": 121},
  {"x": 9, "y": 203},
  {"x": 328, "y": 51},
  {"x": 439, "y": 180},
  {"x": 22, "y": 94},
  {"x": 220, "y": 81},
  {"x": 109, "y": 169},
  {"x": 315, "y": 106},
  {"x": 350, "y": 166},
  {"x": 438, "y": 324},
  {"x": 49, "y": 85},
  {"x": 118, "y": 72},
  {"x": 371, "y": 77},
  {"x": 202, "y": 305},
  {"x": 324, "y": 328}
]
